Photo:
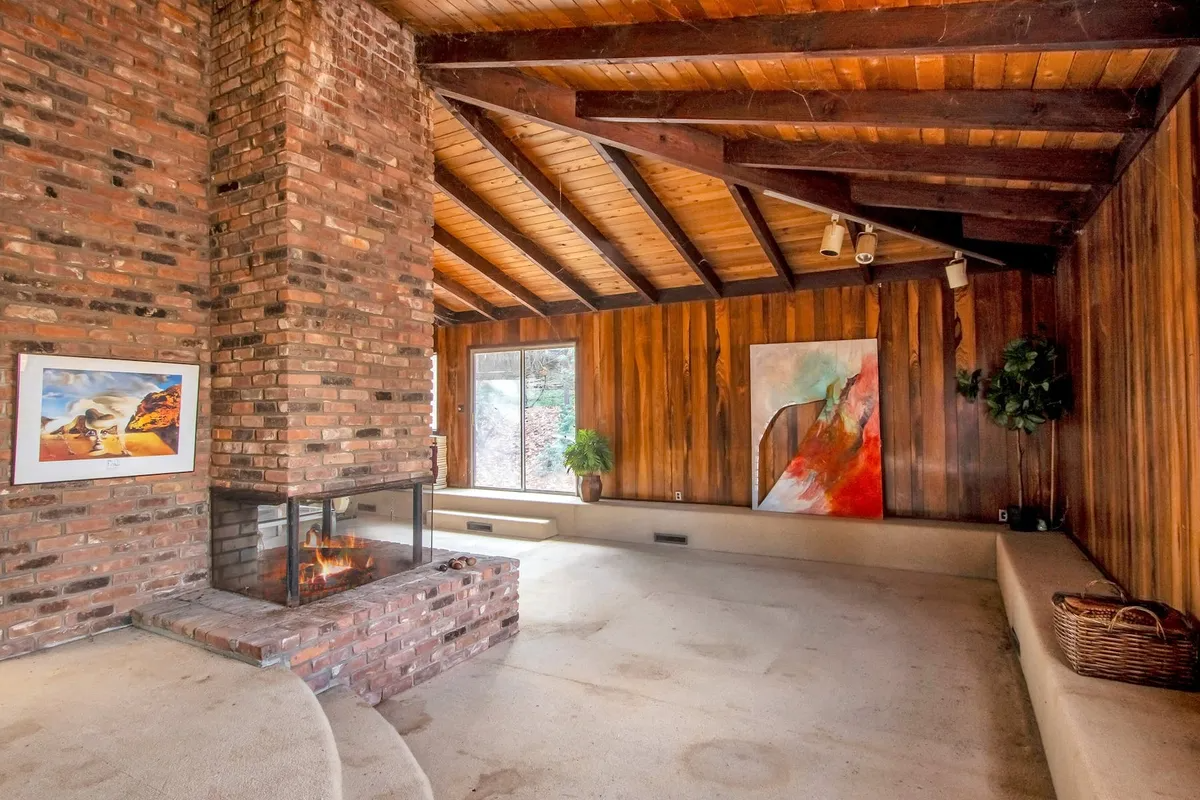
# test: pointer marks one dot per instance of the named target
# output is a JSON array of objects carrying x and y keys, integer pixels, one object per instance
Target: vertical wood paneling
[
  {"x": 721, "y": 442},
  {"x": 969, "y": 491},
  {"x": 1128, "y": 306},
  {"x": 896, "y": 419},
  {"x": 671, "y": 386},
  {"x": 702, "y": 378},
  {"x": 932, "y": 477}
]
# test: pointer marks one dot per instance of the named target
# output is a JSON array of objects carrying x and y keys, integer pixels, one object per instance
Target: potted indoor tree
[
  {"x": 588, "y": 456},
  {"x": 1027, "y": 392}
]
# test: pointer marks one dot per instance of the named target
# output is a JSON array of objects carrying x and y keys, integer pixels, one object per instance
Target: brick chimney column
[{"x": 322, "y": 214}]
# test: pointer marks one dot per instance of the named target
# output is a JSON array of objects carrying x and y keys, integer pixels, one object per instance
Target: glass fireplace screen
[{"x": 303, "y": 550}]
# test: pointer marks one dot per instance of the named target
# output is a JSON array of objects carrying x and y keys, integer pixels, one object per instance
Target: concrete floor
[
  {"x": 663, "y": 673},
  {"x": 135, "y": 716}
]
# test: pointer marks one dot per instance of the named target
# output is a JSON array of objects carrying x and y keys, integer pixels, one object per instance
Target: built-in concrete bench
[
  {"x": 510, "y": 525},
  {"x": 948, "y": 548},
  {"x": 1103, "y": 739}
]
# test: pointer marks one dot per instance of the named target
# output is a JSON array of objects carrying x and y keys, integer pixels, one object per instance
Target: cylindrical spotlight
[
  {"x": 956, "y": 271},
  {"x": 864, "y": 248},
  {"x": 831, "y": 242}
]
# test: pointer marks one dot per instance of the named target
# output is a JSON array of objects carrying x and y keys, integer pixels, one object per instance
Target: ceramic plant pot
[{"x": 589, "y": 488}]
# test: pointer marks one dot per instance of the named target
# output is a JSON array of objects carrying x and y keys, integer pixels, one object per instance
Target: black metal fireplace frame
[
  {"x": 328, "y": 527},
  {"x": 293, "y": 514}
]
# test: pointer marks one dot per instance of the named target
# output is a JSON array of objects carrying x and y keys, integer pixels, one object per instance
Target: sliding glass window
[{"x": 523, "y": 417}]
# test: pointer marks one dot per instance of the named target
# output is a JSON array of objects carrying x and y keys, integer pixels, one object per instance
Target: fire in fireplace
[
  {"x": 334, "y": 561},
  {"x": 302, "y": 550}
]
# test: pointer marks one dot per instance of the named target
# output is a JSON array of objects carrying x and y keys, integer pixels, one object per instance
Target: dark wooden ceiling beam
[
  {"x": 508, "y": 153},
  {"x": 1084, "y": 167},
  {"x": 1009, "y": 26},
  {"x": 1021, "y": 231},
  {"x": 628, "y": 174},
  {"x": 445, "y": 316},
  {"x": 762, "y": 232},
  {"x": 1072, "y": 110},
  {"x": 1180, "y": 76},
  {"x": 488, "y": 270},
  {"x": 460, "y": 193},
  {"x": 512, "y": 92},
  {"x": 927, "y": 269},
  {"x": 463, "y": 294},
  {"x": 983, "y": 200}
]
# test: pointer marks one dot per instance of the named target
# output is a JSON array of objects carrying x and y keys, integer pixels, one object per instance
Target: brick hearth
[{"x": 378, "y": 639}]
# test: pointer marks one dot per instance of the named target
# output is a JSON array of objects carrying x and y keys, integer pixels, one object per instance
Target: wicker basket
[{"x": 1136, "y": 641}]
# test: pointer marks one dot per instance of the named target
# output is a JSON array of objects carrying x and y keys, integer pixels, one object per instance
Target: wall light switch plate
[
  {"x": 1004, "y": 515},
  {"x": 679, "y": 495}
]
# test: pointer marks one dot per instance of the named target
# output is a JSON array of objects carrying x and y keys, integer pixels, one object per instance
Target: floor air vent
[
  {"x": 481, "y": 527},
  {"x": 670, "y": 538}
]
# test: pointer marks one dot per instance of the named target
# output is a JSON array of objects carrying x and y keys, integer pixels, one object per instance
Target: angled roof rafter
[
  {"x": 628, "y": 174},
  {"x": 482, "y": 266},
  {"x": 508, "y": 153},
  {"x": 475, "y": 205},
  {"x": 762, "y": 232}
]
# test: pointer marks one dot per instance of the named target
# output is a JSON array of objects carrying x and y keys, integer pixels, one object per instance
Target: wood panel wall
[
  {"x": 670, "y": 385},
  {"x": 1128, "y": 298}
]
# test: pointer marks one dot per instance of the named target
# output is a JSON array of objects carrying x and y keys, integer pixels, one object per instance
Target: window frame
[{"x": 522, "y": 348}]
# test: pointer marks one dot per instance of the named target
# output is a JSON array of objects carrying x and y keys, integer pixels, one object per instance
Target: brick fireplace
[
  {"x": 321, "y": 208},
  {"x": 246, "y": 185}
]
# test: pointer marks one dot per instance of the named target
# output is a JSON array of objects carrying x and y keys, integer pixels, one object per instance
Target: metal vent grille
[
  {"x": 670, "y": 538},
  {"x": 370, "y": 508},
  {"x": 481, "y": 527}
]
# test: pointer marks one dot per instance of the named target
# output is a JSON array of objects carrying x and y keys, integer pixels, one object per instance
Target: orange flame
[{"x": 332, "y": 557}]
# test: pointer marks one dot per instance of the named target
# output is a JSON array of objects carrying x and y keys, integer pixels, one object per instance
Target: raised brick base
[{"x": 378, "y": 639}]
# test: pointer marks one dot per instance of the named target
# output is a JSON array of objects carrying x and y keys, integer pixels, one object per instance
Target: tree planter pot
[
  {"x": 1022, "y": 518},
  {"x": 589, "y": 488}
]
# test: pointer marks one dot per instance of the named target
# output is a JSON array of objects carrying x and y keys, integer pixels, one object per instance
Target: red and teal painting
[{"x": 815, "y": 419}]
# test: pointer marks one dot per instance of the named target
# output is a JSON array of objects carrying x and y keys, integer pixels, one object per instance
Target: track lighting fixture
[
  {"x": 835, "y": 234},
  {"x": 956, "y": 271},
  {"x": 864, "y": 248}
]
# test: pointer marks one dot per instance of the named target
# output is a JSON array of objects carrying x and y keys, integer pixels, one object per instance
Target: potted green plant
[
  {"x": 1027, "y": 392},
  {"x": 588, "y": 456}
]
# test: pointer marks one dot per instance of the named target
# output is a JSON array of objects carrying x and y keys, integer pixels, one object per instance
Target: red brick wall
[
  {"x": 322, "y": 205},
  {"x": 251, "y": 42},
  {"x": 103, "y": 252}
]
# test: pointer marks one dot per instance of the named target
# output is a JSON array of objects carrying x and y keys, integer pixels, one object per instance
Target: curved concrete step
[
  {"x": 376, "y": 763},
  {"x": 134, "y": 715}
]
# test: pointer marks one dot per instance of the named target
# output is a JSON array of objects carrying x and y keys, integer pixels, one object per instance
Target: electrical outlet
[
  {"x": 679, "y": 495},
  {"x": 1004, "y": 515}
]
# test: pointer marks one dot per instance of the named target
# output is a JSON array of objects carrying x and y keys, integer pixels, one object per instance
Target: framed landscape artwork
[
  {"x": 815, "y": 428},
  {"x": 83, "y": 418}
]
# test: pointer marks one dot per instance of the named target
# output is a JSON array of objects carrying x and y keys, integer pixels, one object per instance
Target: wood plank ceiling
[{"x": 607, "y": 153}]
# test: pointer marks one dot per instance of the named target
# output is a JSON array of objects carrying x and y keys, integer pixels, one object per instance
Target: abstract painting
[
  {"x": 830, "y": 462},
  {"x": 81, "y": 418}
]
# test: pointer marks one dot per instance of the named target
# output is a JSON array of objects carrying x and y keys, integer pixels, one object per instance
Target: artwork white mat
[{"x": 39, "y": 396}]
